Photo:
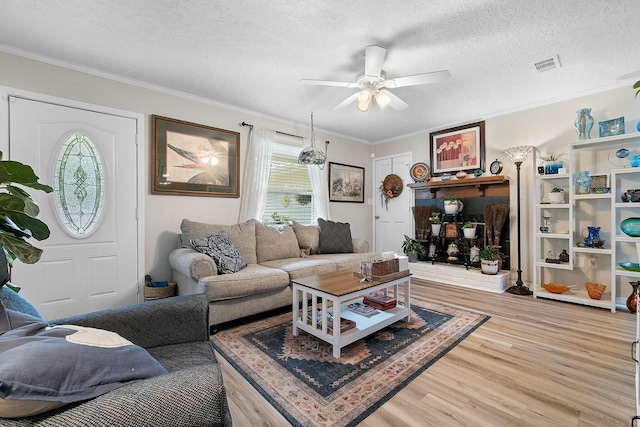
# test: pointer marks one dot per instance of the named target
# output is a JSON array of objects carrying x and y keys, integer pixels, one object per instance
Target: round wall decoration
[
  {"x": 419, "y": 172},
  {"x": 391, "y": 187}
]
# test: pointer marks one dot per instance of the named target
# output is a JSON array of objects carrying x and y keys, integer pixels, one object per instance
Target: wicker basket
[{"x": 151, "y": 293}]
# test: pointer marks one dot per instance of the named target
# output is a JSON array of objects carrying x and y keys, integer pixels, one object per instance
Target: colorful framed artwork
[
  {"x": 458, "y": 148},
  {"x": 346, "y": 183},
  {"x": 194, "y": 160},
  {"x": 611, "y": 127}
]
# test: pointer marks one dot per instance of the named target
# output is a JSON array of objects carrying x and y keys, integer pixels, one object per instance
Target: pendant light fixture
[{"x": 311, "y": 155}]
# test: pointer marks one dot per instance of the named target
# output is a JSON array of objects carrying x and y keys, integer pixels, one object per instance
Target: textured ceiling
[{"x": 251, "y": 54}]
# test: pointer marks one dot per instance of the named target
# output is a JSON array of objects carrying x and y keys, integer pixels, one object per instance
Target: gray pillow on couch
[
  {"x": 44, "y": 368},
  {"x": 335, "y": 237}
]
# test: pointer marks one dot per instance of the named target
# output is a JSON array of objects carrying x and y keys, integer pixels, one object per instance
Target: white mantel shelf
[{"x": 458, "y": 275}]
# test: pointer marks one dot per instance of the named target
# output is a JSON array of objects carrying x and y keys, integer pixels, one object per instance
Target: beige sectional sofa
[{"x": 274, "y": 257}]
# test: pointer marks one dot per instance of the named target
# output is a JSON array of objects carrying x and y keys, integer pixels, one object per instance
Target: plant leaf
[
  {"x": 18, "y": 248},
  {"x": 39, "y": 229},
  {"x": 30, "y": 206},
  {"x": 16, "y": 172}
]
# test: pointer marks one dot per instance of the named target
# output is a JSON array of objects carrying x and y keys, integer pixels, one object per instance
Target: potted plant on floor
[
  {"x": 412, "y": 248},
  {"x": 489, "y": 259},
  {"x": 18, "y": 213},
  {"x": 436, "y": 223},
  {"x": 452, "y": 205},
  {"x": 469, "y": 230},
  {"x": 556, "y": 195}
]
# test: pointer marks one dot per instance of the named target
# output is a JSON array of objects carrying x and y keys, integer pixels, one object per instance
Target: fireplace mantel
[{"x": 495, "y": 185}]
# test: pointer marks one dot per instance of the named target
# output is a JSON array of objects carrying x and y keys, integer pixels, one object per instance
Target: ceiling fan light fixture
[
  {"x": 382, "y": 98},
  {"x": 364, "y": 101}
]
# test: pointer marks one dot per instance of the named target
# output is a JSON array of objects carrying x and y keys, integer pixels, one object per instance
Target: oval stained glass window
[{"x": 79, "y": 187}]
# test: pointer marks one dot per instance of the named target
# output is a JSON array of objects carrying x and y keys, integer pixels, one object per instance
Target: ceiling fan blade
[
  {"x": 346, "y": 102},
  {"x": 326, "y": 83},
  {"x": 419, "y": 79},
  {"x": 396, "y": 103},
  {"x": 373, "y": 59}
]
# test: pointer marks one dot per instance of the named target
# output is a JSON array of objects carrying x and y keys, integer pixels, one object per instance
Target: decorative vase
[
  {"x": 557, "y": 197},
  {"x": 551, "y": 168},
  {"x": 469, "y": 233},
  {"x": 635, "y": 161},
  {"x": 584, "y": 123},
  {"x": 489, "y": 267},
  {"x": 631, "y": 227},
  {"x": 474, "y": 254},
  {"x": 453, "y": 207},
  {"x": 583, "y": 181},
  {"x": 632, "y": 300},
  {"x": 564, "y": 256},
  {"x": 593, "y": 234}
]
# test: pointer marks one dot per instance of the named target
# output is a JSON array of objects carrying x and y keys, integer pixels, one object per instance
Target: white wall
[
  {"x": 550, "y": 128},
  {"x": 164, "y": 212}
]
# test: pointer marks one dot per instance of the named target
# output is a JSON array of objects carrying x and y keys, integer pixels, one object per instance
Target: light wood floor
[{"x": 536, "y": 363}]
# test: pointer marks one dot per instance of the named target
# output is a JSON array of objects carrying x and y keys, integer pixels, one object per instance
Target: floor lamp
[{"x": 518, "y": 155}]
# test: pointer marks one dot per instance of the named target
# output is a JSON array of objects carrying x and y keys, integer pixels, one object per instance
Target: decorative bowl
[
  {"x": 631, "y": 266},
  {"x": 595, "y": 290},
  {"x": 555, "y": 288}
]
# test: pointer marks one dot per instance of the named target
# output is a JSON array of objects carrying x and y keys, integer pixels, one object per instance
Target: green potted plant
[
  {"x": 556, "y": 195},
  {"x": 18, "y": 213},
  {"x": 412, "y": 248},
  {"x": 452, "y": 205},
  {"x": 489, "y": 259},
  {"x": 436, "y": 222},
  {"x": 552, "y": 163},
  {"x": 469, "y": 229}
]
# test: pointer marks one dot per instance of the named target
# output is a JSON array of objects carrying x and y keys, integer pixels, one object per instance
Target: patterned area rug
[{"x": 300, "y": 377}]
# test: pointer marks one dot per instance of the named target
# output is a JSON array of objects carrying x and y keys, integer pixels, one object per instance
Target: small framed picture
[
  {"x": 540, "y": 170},
  {"x": 346, "y": 183},
  {"x": 599, "y": 184}
]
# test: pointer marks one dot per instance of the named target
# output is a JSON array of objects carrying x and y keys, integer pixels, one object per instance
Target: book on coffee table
[
  {"x": 363, "y": 309},
  {"x": 380, "y": 301}
]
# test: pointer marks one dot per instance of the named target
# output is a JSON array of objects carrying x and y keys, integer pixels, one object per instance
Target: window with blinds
[{"x": 289, "y": 194}]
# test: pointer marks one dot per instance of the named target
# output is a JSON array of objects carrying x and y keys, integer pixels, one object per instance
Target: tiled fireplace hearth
[{"x": 459, "y": 276}]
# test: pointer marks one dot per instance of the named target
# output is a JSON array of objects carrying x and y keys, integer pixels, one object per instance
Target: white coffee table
[{"x": 338, "y": 289}]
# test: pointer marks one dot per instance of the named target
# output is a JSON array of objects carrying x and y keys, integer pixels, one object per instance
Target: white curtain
[
  {"x": 319, "y": 184},
  {"x": 256, "y": 173}
]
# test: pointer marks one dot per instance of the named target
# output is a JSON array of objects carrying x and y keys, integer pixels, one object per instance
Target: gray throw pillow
[
  {"x": 43, "y": 368},
  {"x": 224, "y": 253},
  {"x": 335, "y": 237}
]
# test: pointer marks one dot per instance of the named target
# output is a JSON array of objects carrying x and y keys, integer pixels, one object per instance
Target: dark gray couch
[{"x": 175, "y": 332}]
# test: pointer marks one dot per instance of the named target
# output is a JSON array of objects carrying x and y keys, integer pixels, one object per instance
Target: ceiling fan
[{"x": 375, "y": 84}]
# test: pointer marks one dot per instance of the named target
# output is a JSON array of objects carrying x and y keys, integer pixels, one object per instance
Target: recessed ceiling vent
[{"x": 547, "y": 64}]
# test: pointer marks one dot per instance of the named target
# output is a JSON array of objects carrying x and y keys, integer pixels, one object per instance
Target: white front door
[
  {"x": 394, "y": 218},
  {"x": 90, "y": 261}
]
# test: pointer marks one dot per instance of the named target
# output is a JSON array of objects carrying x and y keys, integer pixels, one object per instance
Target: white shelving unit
[{"x": 606, "y": 210}]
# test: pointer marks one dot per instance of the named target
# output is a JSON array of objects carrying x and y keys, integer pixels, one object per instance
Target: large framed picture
[
  {"x": 346, "y": 183},
  {"x": 195, "y": 160},
  {"x": 456, "y": 149}
]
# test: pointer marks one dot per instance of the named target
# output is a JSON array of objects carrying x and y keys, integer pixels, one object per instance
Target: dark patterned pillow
[
  {"x": 224, "y": 253},
  {"x": 335, "y": 237}
]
